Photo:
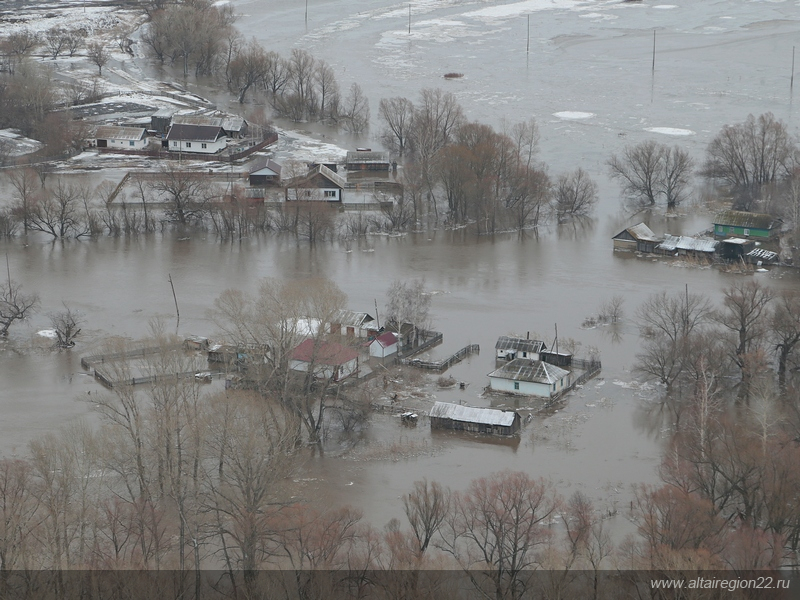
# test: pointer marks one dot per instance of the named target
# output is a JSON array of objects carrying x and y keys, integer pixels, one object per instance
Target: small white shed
[{"x": 384, "y": 345}]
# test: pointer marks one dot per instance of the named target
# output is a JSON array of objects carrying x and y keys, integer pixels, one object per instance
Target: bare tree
[
  {"x": 187, "y": 193},
  {"x": 98, "y": 54},
  {"x": 748, "y": 155},
  {"x": 426, "y": 508},
  {"x": 677, "y": 168},
  {"x": 21, "y": 42},
  {"x": 611, "y": 310},
  {"x": 58, "y": 213},
  {"x": 67, "y": 324},
  {"x": 328, "y": 90},
  {"x": 785, "y": 329},
  {"x": 745, "y": 315},
  {"x": 27, "y": 187},
  {"x": 640, "y": 170},
  {"x": 354, "y": 112},
  {"x": 574, "y": 195},
  {"x": 408, "y": 302},
  {"x": 246, "y": 69},
  {"x": 56, "y": 40},
  {"x": 396, "y": 114}
]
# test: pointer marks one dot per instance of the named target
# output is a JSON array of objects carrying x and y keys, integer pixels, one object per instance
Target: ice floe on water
[
  {"x": 665, "y": 6},
  {"x": 571, "y": 115},
  {"x": 516, "y": 9},
  {"x": 669, "y": 130},
  {"x": 48, "y": 333}
]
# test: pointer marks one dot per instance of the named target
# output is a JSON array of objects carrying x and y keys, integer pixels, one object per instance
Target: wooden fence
[{"x": 88, "y": 361}]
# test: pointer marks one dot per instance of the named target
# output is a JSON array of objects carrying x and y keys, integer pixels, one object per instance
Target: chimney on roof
[{"x": 528, "y": 335}]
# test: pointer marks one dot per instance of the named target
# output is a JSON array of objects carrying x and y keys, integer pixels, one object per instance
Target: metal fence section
[{"x": 442, "y": 365}]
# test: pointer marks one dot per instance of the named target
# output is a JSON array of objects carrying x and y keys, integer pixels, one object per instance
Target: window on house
[
  {"x": 188, "y": 144},
  {"x": 554, "y": 387},
  {"x": 131, "y": 143},
  {"x": 747, "y": 232},
  {"x": 174, "y": 143},
  {"x": 204, "y": 145},
  {"x": 330, "y": 193},
  {"x": 516, "y": 385}
]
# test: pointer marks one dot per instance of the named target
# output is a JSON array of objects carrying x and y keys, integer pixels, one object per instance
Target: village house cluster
[{"x": 751, "y": 238}]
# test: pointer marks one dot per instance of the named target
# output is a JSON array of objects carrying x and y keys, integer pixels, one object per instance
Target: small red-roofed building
[
  {"x": 326, "y": 360},
  {"x": 384, "y": 345}
]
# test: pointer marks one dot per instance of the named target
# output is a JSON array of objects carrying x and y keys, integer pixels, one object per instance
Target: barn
[
  {"x": 445, "y": 415},
  {"x": 639, "y": 238}
]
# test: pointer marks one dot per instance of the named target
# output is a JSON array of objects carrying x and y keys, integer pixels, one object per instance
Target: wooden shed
[
  {"x": 445, "y": 415},
  {"x": 264, "y": 172},
  {"x": 639, "y": 238}
]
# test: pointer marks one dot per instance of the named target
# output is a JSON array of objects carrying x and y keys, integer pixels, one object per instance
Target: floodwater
[{"x": 587, "y": 80}]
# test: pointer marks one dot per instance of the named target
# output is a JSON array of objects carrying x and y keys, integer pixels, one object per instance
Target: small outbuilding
[
  {"x": 367, "y": 160},
  {"x": 384, "y": 345},
  {"x": 738, "y": 223},
  {"x": 320, "y": 184},
  {"x": 326, "y": 360},
  {"x": 530, "y": 377},
  {"x": 445, "y": 415},
  {"x": 681, "y": 245},
  {"x": 264, "y": 172},
  {"x": 121, "y": 138},
  {"x": 638, "y": 238},
  {"x": 352, "y": 324},
  {"x": 509, "y": 348}
]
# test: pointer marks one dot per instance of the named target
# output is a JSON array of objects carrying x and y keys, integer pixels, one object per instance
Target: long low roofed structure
[{"x": 445, "y": 415}]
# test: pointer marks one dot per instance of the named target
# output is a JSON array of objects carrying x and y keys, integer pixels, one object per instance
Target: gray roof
[
  {"x": 319, "y": 169},
  {"x": 109, "y": 132},
  {"x": 349, "y": 318},
  {"x": 467, "y": 414},
  {"x": 232, "y": 123},
  {"x": 364, "y": 157},
  {"x": 195, "y": 133},
  {"x": 643, "y": 233},
  {"x": 740, "y": 218},
  {"x": 522, "y": 369},
  {"x": 164, "y": 113},
  {"x": 681, "y": 242},
  {"x": 264, "y": 166},
  {"x": 505, "y": 342},
  {"x": 762, "y": 254},
  {"x": 197, "y": 120}
]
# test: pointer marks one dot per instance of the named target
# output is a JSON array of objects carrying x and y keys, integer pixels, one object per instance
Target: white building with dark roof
[
  {"x": 203, "y": 139},
  {"x": 530, "y": 377}
]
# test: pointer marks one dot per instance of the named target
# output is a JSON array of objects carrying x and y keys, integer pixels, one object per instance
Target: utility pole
[
  {"x": 409, "y": 18},
  {"x": 791, "y": 81},
  {"x": 654, "y": 51},
  {"x": 528, "y": 45},
  {"x": 174, "y": 297},
  {"x": 306, "y": 12}
]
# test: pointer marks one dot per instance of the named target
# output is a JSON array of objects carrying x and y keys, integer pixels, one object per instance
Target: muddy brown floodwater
[{"x": 588, "y": 82}]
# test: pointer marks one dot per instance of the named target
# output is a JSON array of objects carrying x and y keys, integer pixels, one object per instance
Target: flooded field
[{"x": 587, "y": 80}]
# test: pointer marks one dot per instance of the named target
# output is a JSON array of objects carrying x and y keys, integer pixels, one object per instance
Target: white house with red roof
[
  {"x": 384, "y": 345},
  {"x": 327, "y": 360}
]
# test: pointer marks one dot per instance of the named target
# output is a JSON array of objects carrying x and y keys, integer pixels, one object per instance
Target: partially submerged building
[
  {"x": 638, "y": 238},
  {"x": 741, "y": 224},
  {"x": 444, "y": 415},
  {"x": 326, "y": 360},
  {"x": 367, "y": 160},
  {"x": 681, "y": 245},
  {"x": 352, "y": 324},
  {"x": 530, "y": 377},
  {"x": 509, "y": 348},
  {"x": 264, "y": 172},
  {"x": 320, "y": 184}
]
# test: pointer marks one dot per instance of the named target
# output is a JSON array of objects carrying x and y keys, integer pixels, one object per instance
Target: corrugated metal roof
[
  {"x": 643, "y": 233},
  {"x": 522, "y": 369},
  {"x": 681, "y": 242},
  {"x": 505, "y": 342},
  {"x": 740, "y": 218},
  {"x": 232, "y": 123},
  {"x": 262, "y": 165},
  {"x": 468, "y": 414},
  {"x": 109, "y": 132},
  {"x": 204, "y": 120},
  {"x": 349, "y": 318},
  {"x": 386, "y": 339}
]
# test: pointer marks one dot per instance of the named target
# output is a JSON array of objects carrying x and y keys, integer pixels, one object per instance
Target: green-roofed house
[{"x": 738, "y": 223}]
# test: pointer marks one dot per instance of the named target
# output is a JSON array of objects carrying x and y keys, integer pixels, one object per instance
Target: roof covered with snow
[
  {"x": 468, "y": 414},
  {"x": 522, "y": 369}
]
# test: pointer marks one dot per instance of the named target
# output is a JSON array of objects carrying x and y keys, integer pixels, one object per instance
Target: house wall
[
  {"x": 729, "y": 230},
  {"x": 314, "y": 194},
  {"x": 511, "y": 354},
  {"x": 525, "y": 387},
  {"x": 441, "y": 423},
  {"x": 624, "y": 244},
  {"x": 126, "y": 144},
  {"x": 210, "y": 147},
  {"x": 327, "y": 371},
  {"x": 378, "y": 351}
]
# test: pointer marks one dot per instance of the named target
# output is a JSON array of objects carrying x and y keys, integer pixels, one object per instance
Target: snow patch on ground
[
  {"x": 669, "y": 131},
  {"x": 570, "y": 115}
]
